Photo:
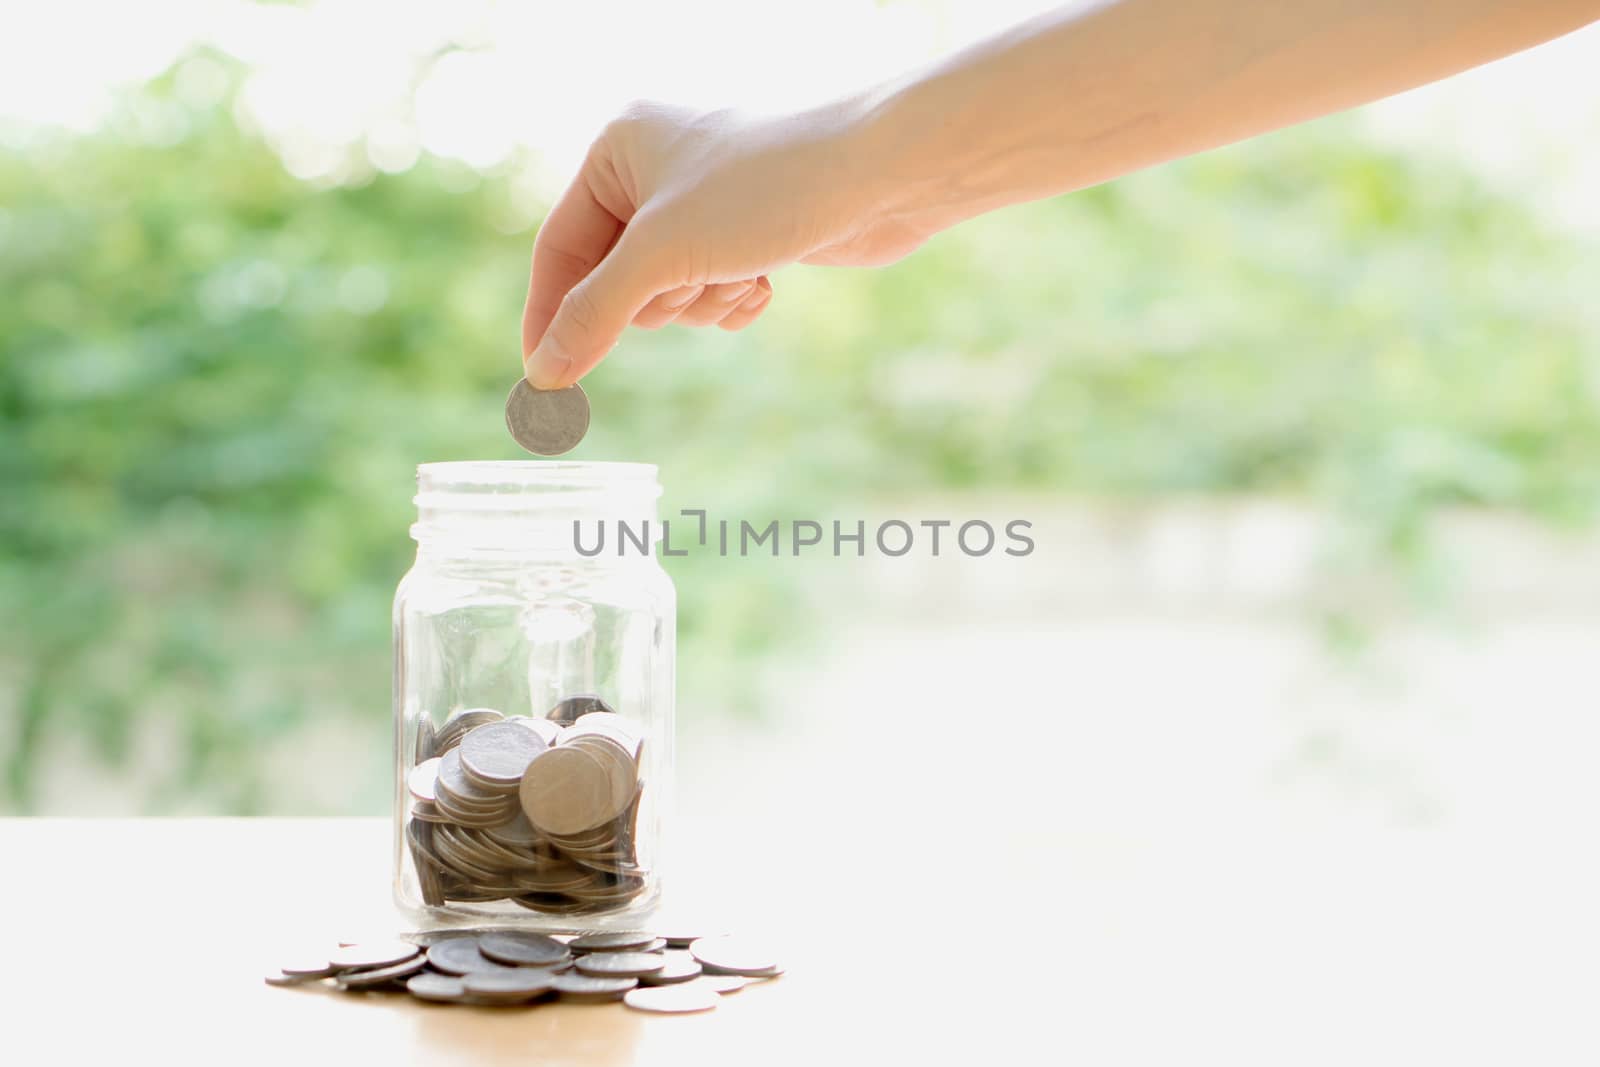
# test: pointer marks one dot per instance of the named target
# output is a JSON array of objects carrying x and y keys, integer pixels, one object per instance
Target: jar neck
[
  {"x": 604, "y": 543},
  {"x": 578, "y": 512}
]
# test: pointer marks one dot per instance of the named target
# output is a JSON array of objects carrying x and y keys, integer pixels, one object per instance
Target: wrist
[{"x": 913, "y": 163}]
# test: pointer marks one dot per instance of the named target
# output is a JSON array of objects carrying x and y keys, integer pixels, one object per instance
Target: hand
[{"x": 679, "y": 216}]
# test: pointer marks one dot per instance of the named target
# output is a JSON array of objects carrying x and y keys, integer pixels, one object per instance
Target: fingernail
[
  {"x": 546, "y": 365},
  {"x": 755, "y": 299},
  {"x": 739, "y": 298}
]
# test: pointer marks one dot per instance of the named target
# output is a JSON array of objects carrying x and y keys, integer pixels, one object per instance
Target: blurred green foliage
[{"x": 215, "y": 381}]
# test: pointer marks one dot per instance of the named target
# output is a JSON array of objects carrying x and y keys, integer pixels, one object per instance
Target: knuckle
[
  {"x": 566, "y": 262},
  {"x": 633, "y": 113}
]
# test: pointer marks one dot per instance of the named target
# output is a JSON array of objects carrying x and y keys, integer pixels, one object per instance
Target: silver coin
[
  {"x": 458, "y": 724},
  {"x": 620, "y": 964},
  {"x": 518, "y": 833},
  {"x": 722, "y": 983},
  {"x": 310, "y": 966},
  {"x": 427, "y": 811},
  {"x": 611, "y": 940},
  {"x": 427, "y": 938},
  {"x": 677, "y": 937},
  {"x": 286, "y": 979},
  {"x": 732, "y": 955},
  {"x": 424, "y": 749},
  {"x": 670, "y": 999},
  {"x": 524, "y": 950},
  {"x": 571, "y": 709},
  {"x": 547, "y": 730},
  {"x": 547, "y": 422},
  {"x": 420, "y": 779},
  {"x": 372, "y": 954},
  {"x": 380, "y": 976},
  {"x": 573, "y": 986},
  {"x": 498, "y": 753},
  {"x": 515, "y": 984},
  {"x": 452, "y": 787},
  {"x": 459, "y": 955},
  {"x": 681, "y": 967},
  {"x": 441, "y": 987}
]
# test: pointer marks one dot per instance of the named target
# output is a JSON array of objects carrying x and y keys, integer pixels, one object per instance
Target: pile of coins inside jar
[
  {"x": 672, "y": 974},
  {"x": 541, "y": 812}
]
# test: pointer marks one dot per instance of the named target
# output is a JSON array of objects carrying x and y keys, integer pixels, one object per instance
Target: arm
[
  {"x": 1082, "y": 96},
  {"x": 679, "y": 216}
]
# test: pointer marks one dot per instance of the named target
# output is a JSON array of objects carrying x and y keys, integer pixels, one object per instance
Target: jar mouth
[
  {"x": 527, "y": 505},
  {"x": 487, "y": 474}
]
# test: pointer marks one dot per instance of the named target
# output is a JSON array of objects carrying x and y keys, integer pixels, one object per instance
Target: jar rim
[{"x": 524, "y": 473}]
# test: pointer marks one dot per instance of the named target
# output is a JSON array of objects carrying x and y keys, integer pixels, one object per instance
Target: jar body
[{"x": 533, "y": 701}]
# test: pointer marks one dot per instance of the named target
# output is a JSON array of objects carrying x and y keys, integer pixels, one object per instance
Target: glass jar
[{"x": 533, "y": 697}]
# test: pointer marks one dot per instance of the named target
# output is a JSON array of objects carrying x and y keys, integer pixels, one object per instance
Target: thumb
[{"x": 593, "y": 315}]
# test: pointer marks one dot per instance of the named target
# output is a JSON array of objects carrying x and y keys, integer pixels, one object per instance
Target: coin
[
  {"x": 459, "y": 955},
  {"x": 620, "y": 964},
  {"x": 310, "y": 966},
  {"x": 514, "y": 984},
  {"x": 721, "y": 983},
  {"x": 372, "y": 954},
  {"x": 572, "y": 708},
  {"x": 679, "y": 937},
  {"x": 606, "y": 724},
  {"x": 574, "y": 986},
  {"x": 440, "y": 987},
  {"x": 548, "y": 731},
  {"x": 282, "y": 979},
  {"x": 458, "y": 724},
  {"x": 380, "y": 976},
  {"x": 420, "y": 780},
  {"x": 425, "y": 736},
  {"x": 547, "y": 422},
  {"x": 451, "y": 780},
  {"x": 566, "y": 791},
  {"x": 681, "y": 967},
  {"x": 427, "y": 811},
  {"x": 733, "y": 955},
  {"x": 611, "y": 940},
  {"x": 419, "y": 835},
  {"x": 499, "y": 753},
  {"x": 525, "y": 950},
  {"x": 671, "y": 999},
  {"x": 429, "y": 938},
  {"x": 476, "y": 818},
  {"x": 622, "y": 774},
  {"x": 518, "y": 833}
]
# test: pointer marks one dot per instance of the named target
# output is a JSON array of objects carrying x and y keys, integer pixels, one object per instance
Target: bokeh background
[{"x": 1308, "y": 428}]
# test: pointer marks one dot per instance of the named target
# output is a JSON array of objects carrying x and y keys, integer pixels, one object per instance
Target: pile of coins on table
[
  {"x": 512, "y": 967},
  {"x": 541, "y": 812}
]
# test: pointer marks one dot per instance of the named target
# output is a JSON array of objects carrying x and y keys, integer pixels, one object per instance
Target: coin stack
[
  {"x": 541, "y": 812},
  {"x": 672, "y": 974}
]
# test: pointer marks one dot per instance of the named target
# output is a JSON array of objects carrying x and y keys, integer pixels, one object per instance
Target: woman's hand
[{"x": 679, "y": 216}]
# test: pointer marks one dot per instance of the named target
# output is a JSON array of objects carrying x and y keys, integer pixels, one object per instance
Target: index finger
[{"x": 575, "y": 237}]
